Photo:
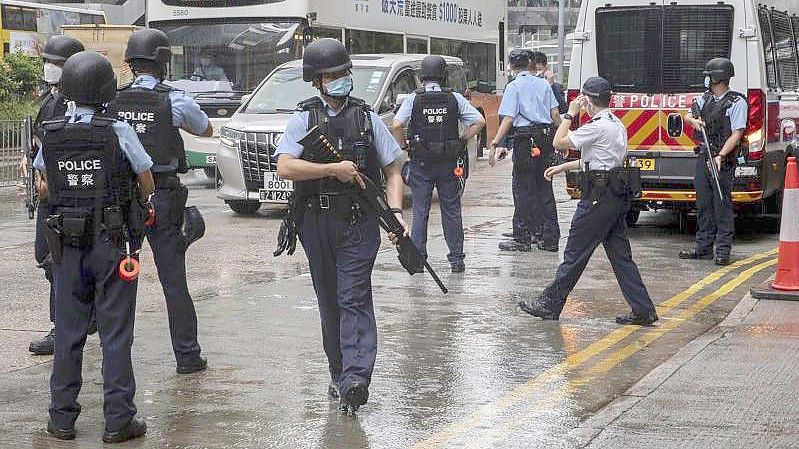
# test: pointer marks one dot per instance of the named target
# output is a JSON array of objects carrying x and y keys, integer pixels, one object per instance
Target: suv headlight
[{"x": 229, "y": 137}]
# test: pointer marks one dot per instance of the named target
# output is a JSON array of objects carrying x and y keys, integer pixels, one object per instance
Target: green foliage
[{"x": 20, "y": 76}]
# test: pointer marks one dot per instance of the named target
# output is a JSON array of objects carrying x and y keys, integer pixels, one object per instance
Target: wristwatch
[{"x": 567, "y": 116}]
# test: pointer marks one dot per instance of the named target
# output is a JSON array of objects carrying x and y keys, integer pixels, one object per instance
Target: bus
[
  {"x": 25, "y": 26},
  {"x": 230, "y": 46}
]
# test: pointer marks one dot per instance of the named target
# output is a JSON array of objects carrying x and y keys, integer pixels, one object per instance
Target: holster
[
  {"x": 52, "y": 234},
  {"x": 626, "y": 181},
  {"x": 76, "y": 227}
]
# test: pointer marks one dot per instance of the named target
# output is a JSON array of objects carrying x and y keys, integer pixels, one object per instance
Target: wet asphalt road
[{"x": 463, "y": 370}]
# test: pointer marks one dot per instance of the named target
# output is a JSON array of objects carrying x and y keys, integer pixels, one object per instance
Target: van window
[
  {"x": 653, "y": 49},
  {"x": 404, "y": 83},
  {"x": 768, "y": 46},
  {"x": 779, "y": 42}
]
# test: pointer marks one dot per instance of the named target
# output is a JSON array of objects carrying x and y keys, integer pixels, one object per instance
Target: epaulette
[
  {"x": 161, "y": 87},
  {"x": 102, "y": 121},
  {"x": 54, "y": 125}
]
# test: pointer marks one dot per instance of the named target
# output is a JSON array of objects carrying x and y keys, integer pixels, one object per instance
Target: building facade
[{"x": 533, "y": 24}]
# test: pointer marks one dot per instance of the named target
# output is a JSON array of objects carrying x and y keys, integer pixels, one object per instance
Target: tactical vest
[
  {"x": 350, "y": 133},
  {"x": 53, "y": 107},
  {"x": 149, "y": 112},
  {"x": 85, "y": 165},
  {"x": 433, "y": 128},
  {"x": 718, "y": 125}
]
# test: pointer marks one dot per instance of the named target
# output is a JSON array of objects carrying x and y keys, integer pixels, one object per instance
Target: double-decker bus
[
  {"x": 25, "y": 26},
  {"x": 231, "y": 45}
]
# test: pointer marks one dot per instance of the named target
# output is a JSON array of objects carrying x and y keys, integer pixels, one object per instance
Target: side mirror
[{"x": 400, "y": 99}]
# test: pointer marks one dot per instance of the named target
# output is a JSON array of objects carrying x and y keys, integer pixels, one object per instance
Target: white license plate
[
  {"x": 745, "y": 171},
  {"x": 210, "y": 159},
  {"x": 274, "y": 196},
  {"x": 274, "y": 182}
]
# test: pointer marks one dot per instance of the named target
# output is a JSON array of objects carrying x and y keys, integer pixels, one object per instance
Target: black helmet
[
  {"x": 193, "y": 225},
  {"x": 434, "y": 67},
  {"x": 719, "y": 69},
  {"x": 88, "y": 78},
  {"x": 597, "y": 87},
  {"x": 148, "y": 44},
  {"x": 59, "y": 48},
  {"x": 324, "y": 56},
  {"x": 519, "y": 57}
]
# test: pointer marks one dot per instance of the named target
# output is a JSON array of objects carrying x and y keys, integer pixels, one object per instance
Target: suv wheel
[{"x": 243, "y": 207}]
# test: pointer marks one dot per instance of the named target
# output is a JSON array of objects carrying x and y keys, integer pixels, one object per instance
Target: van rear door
[{"x": 654, "y": 54}]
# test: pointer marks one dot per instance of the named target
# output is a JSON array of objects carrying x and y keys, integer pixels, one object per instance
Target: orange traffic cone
[{"x": 787, "y": 277}]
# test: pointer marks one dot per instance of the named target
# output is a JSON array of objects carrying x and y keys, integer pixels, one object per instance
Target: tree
[{"x": 19, "y": 77}]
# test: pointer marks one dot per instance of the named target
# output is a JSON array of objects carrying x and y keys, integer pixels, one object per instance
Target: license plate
[
  {"x": 274, "y": 182},
  {"x": 644, "y": 164},
  {"x": 274, "y": 196},
  {"x": 745, "y": 171},
  {"x": 210, "y": 159}
]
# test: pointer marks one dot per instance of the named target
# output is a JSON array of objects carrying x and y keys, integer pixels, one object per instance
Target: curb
[{"x": 595, "y": 424}]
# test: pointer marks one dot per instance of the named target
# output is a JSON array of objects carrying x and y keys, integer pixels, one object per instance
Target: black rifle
[
  {"x": 409, "y": 256},
  {"x": 31, "y": 196},
  {"x": 709, "y": 159}
]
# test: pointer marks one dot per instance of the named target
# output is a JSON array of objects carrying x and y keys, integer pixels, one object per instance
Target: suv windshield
[
  {"x": 284, "y": 89},
  {"x": 229, "y": 56},
  {"x": 654, "y": 49}
]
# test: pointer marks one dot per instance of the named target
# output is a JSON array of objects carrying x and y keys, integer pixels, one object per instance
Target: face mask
[
  {"x": 340, "y": 87},
  {"x": 52, "y": 73},
  {"x": 707, "y": 82}
]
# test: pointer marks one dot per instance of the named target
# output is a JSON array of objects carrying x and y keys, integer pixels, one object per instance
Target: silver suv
[{"x": 247, "y": 168}]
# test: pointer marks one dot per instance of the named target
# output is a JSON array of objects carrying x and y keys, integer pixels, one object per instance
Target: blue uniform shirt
[
  {"x": 737, "y": 112},
  {"x": 186, "y": 113},
  {"x": 387, "y": 149},
  {"x": 129, "y": 143},
  {"x": 528, "y": 99},
  {"x": 468, "y": 114}
]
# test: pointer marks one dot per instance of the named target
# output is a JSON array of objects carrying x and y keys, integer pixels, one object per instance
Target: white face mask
[
  {"x": 52, "y": 73},
  {"x": 708, "y": 83}
]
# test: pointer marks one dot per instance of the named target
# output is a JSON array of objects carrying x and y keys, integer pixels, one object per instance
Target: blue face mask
[
  {"x": 707, "y": 82},
  {"x": 340, "y": 87}
]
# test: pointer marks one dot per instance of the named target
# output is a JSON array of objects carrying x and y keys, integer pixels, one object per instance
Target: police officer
[
  {"x": 722, "y": 112},
  {"x": 540, "y": 66},
  {"x": 93, "y": 165},
  {"x": 53, "y": 105},
  {"x": 157, "y": 113},
  {"x": 340, "y": 236},
  {"x": 439, "y": 158},
  {"x": 600, "y": 216},
  {"x": 529, "y": 108}
]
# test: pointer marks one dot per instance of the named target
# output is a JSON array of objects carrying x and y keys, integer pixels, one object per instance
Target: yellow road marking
[
  {"x": 572, "y": 361},
  {"x": 612, "y": 360}
]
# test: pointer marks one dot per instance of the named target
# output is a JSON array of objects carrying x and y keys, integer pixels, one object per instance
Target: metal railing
[{"x": 11, "y": 132}]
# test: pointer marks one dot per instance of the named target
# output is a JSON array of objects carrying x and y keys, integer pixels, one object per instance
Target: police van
[
  {"x": 247, "y": 168},
  {"x": 653, "y": 53}
]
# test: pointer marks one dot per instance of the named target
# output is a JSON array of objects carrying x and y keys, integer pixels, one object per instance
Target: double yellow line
[{"x": 649, "y": 335}]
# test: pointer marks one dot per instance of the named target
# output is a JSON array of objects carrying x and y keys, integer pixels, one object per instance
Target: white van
[
  {"x": 246, "y": 165},
  {"x": 653, "y": 52}
]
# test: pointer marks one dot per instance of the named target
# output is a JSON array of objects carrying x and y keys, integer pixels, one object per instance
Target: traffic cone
[{"x": 787, "y": 277}]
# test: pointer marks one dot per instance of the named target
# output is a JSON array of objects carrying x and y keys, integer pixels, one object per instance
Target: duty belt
[
  {"x": 533, "y": 127},
  {"x": 343, "y": 204}
]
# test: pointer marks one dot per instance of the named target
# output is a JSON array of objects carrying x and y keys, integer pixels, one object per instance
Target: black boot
[
  {"x": 355, "y": 396},
  {"x": 61, "y": 434},
  {"x": 515, "y": 245},
  {"x": 192, "y": 367},
  {"x": 45, "y": 346},
  {"x": 692, "y": 253},
  {"x": 332, "y": 390},
  {"x": 638, "y": 320},
  {"x": 135, "y": 428},
  {"x": 535, "y": 308}
]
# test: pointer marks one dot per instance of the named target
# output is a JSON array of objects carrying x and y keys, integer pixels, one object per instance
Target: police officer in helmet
[
  {"x": 439, "y": 158},
  {"x": 529, "y": 109},
  {"x": 157, "y": 113},
  {"x": 53, "y": 106},
  {"x": 96, "y": 174},
  {"x": 608, "y": 188},
  {"x": 340, "y": 235},
  {"x": 722, "y": 113}
]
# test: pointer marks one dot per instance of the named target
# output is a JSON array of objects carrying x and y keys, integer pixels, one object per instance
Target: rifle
[
  {"x": 709, "y": 159},
  {"x": 31, "y": 196},
  {"x": 409, "y": 256}
]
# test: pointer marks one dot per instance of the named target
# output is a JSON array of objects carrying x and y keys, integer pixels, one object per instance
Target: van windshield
[
  {"x": 661, "y": 49},
  {"x": 284, "y": 89}
]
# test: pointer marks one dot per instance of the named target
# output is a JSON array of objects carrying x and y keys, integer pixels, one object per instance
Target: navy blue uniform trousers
[
  {"x": 422, "y": 178},
  {"x": 88, "y": 278},
  {"x": 169, "y": 253},
  {"x": 41, "y": 251},
  {"x": 535, "y": 215},
  {"x": 715, "y": 219},
  {"x": 595, "y": 222},
  {"x": 341, "y": 255}
]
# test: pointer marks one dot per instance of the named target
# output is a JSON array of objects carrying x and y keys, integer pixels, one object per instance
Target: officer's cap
[{"x": 597, "y": 87}]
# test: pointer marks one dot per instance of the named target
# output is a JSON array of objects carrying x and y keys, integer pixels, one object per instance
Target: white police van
[
  {"x": 246, "y": 165},
  {"x": 653, "y": 52}
]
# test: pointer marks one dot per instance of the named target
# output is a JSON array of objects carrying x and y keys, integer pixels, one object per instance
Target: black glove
[{"x": 286, "y": 237}]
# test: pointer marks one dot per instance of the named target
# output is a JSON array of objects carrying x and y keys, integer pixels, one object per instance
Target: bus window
[
  {"x": 19, "y": 18},
  {"x": 359, "y": 42},
  {"x": 404, "y": 83},
  {"x": 416, "y": 46},
  {"x": 323, "y": 32},
  {"x": 478, "y": 58}
]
